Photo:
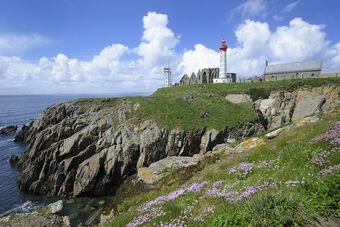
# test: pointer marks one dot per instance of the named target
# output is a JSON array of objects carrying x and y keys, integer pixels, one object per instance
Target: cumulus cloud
[
  {"x": 298, "y": 41},
  {"x": 118, "y": 68},
  {"x": 333, "y": 54},
  {"x": 200, "y": 57},
  {"x": 158, "y": 40},
  {"x": 17, "y": 43},
  {"x": 107, "y": 71}
]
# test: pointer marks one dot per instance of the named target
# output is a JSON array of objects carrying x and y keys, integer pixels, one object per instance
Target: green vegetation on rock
[
  {"x": 280, "y": 183},
  {"x": 194, "y": 107}
]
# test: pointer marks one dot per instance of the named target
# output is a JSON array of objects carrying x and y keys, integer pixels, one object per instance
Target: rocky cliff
[{"x": 86, "y": 150}]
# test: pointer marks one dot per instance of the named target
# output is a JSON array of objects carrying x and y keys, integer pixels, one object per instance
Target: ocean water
[{"x": 20, "y": 110}]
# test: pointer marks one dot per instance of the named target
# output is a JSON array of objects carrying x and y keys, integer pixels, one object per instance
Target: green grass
[
  {"x": 170, "y": 107},
  {"x": 291, "y": 152}
]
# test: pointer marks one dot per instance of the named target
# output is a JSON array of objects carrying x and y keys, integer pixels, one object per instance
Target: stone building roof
[{"x": 293, "y": 67}]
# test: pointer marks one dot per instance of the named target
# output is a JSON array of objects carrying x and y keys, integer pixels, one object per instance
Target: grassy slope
[
  {"x": 290, "y": 153},
  {"x": 168, "y": 107}
]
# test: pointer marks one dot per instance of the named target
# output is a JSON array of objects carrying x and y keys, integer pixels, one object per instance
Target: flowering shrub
[
  {"x": 329, "y": 170},
  {"x": 242, "y": 169},
  {"x": 150, "y": 210},
  {"x": 206, "y": 211},
  {"x": 332, "y": 136},
  {"x": 320, "y": 159},
  {"x": 233, "y": 196}
]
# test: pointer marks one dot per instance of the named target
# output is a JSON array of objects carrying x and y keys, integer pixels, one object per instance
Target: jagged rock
[
  {"x": 308, "y": 103},
  {"x": 56, "y": 207},
  {"x": 284, "y": 106},
  {"x": 238, "y": 98},
  {"x": 204, "y": 114},
  {"x": 249, "y": 144},
  {"x": 224, "y": 147},
  {"x": 273, "y": 134},
  {"x": 13, "y": 160},
  {"x": 136, "y": 106},
  {"x": 162, "y": 169},
  {"x": 207, "y": 140},
  {"x": 189, "y": 98},
  {"x": 106, "y": 217},
  {"x": 122, "y": 115},
  {"x": 8, "y": 129},
  {"x": 303, "y": 121}
]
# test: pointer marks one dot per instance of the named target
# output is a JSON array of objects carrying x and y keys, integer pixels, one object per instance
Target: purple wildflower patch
[
  {"x": 196, "y": 187},
  {"x": 329, "y": 170},
  {"x": 242, "y": 169},
  {"x": 332, "y": 135}
]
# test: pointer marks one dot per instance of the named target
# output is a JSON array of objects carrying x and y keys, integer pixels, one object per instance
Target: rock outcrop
[
  {"x": 8, "y": 129},
  {"x": 86, "y": 150},
  {"x": 284, "y": 106},
  {"x": 74, "y": 150}
]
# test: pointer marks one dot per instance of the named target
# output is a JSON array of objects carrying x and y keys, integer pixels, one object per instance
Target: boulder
[
  {"x": 273, "y": 134},
  {"x": 8, "y": 129},
  {"x": 56, "y": 207},
  {"x": 249, "y": 144},
  {"x": 308, "y": 103},
  {"x": 238, "y": 98},
  {"x": 162, "y": 169}
]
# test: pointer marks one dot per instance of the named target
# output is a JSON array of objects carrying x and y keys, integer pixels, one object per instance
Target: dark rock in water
[
  {"x": 19, "y": 137},
  {"x": 13, "y": 160},
  {"x": 8, "y": 129}
]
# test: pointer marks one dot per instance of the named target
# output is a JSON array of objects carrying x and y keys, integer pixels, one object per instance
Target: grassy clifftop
[
  {"x": 292, "y": 180},
  {"x": 198, "y": 106}
]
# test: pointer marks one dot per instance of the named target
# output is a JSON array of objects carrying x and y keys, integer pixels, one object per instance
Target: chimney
[{"x": 266, "y": 62}]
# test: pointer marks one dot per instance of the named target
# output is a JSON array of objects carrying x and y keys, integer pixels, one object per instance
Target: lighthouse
[
  {"x": 222, "y": 77},
  {"x": 167, "y": 77}
]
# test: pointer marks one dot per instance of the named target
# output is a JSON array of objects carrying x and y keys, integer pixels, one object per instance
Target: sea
[{"x": 20, "y": 110}]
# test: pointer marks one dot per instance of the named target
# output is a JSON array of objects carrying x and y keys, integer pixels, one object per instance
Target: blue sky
[{"x": 120, "y": 46}]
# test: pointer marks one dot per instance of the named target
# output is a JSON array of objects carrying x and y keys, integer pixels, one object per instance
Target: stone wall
[{"x": 292, "y": 75}]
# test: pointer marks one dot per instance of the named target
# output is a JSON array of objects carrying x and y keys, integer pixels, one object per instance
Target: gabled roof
[{"x": 294, "y": 67}]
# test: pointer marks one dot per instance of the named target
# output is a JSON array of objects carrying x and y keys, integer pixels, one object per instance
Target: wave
[{"x": 25, "y": 208}]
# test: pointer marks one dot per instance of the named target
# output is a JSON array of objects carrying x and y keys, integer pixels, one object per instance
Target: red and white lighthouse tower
[{"x": 222, "y": 77}]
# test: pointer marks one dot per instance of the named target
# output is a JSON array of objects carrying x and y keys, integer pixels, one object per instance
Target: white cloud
[
  {"x": 291, "y": 6},
  {"x": 118, "y": 68},
  {"x": 298, "y": 41},
  {"x": 108, "y": 71},
  {"x": 250, "y": 8},
  {"x": 333, "y": 54},
  {"x": 14, "y": 43},
  {"x": 158, "y": 40},
  {"x": 288, "y": 8},
  {"x": 200, "y": 57}
]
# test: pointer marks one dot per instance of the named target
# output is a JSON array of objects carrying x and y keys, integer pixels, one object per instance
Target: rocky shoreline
[{"x": 78, "y": 150}]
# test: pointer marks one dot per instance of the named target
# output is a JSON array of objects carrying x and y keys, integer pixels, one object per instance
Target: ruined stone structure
[
  {"x": 308, "y": 69},
  {"x": 204, "y": 76}
]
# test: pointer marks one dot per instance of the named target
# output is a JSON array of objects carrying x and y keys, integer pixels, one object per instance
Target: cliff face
[
  {"x": 75, "y": 150},
  {"x": 80, "y": 150}
]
